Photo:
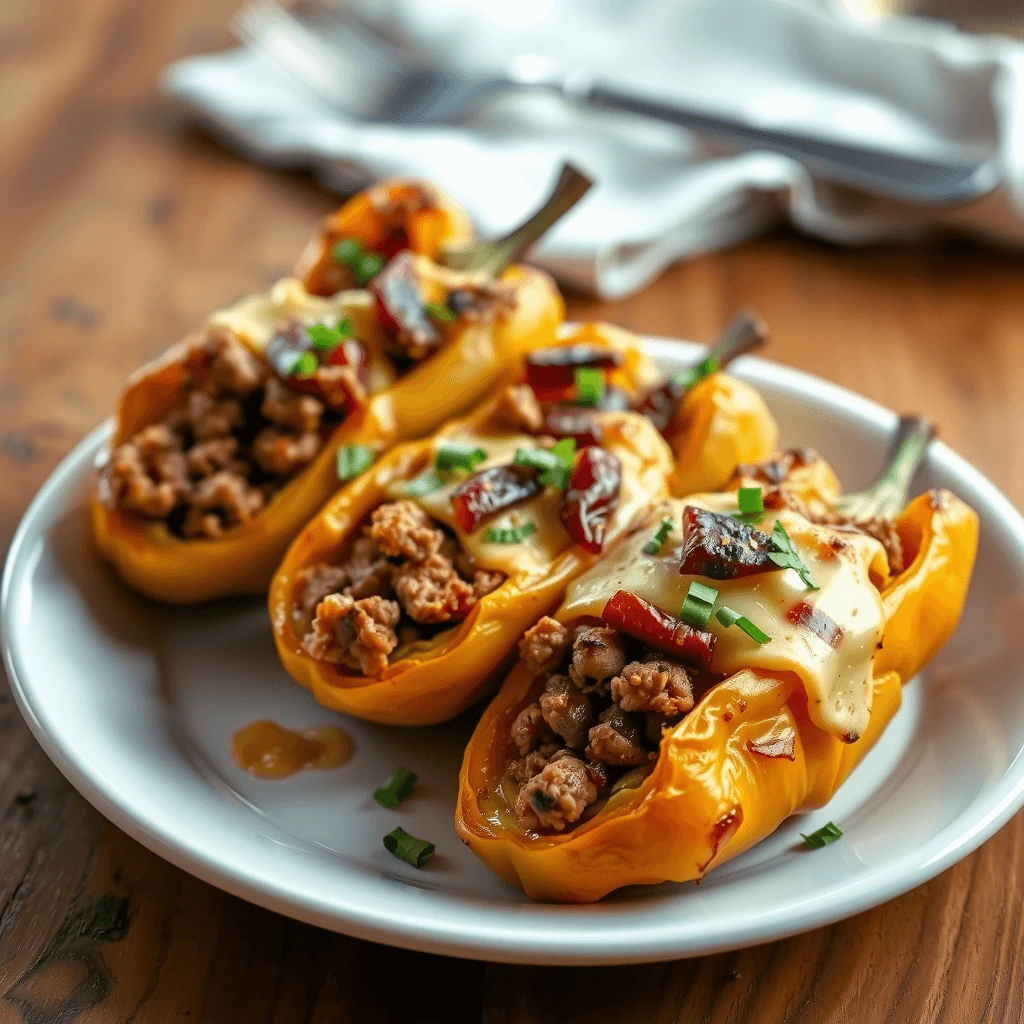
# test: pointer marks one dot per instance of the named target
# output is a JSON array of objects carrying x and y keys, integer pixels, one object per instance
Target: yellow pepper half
[
  {"x": 437, "y": 679},
  {"x": 158, "y": 563},
  {"x": 399, "y": 213},
  {"x": 710, "y": 795}
]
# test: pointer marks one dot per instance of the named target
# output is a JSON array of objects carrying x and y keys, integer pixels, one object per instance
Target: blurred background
[{"x": 857, "y": 178}]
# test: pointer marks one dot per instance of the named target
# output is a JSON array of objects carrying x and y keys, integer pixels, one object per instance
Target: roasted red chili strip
[
  {"x": 592, "y": 497},
  {"x": 644, "y": 621},
  {"x": 551, "y": 372},
  {"x": 400, "y": 307},
  {"x": 572, "y": 421},
  {"x": 820, "y": 623},
  {"x": 491, "y": 491},
  {"x": 723, "y": 548},
  {"x": 660, "y": 403}
]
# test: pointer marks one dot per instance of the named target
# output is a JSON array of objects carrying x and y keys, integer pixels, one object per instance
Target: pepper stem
[
  {"x": 493, "y": 257},
  {"x": 746, "y": 332},
  {"x": 888, "y": 495}
]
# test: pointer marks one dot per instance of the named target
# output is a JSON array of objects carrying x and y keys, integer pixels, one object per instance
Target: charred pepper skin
[
  {"x": 744, "y": 759},
  {"x": 157, "y": 563}
]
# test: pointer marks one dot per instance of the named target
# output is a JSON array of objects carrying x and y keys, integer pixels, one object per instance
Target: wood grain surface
[{"x": 121, "y": 229}]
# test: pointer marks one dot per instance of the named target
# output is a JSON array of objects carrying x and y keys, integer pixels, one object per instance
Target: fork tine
[{"x": 344, "y": 75}]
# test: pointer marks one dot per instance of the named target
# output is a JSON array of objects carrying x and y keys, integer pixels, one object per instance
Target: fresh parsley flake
[
  {"x": 822, "y": 837},
  {"x": 425, "y": 483},
  {"x": 305, "y": 365},
  {"x": 452, "y": 457},
  {"x": 698, "y": 604},
  {"x": 655, "y": 544},
  {"x": 727, "y": 617},
  {"x": 510, "y": 534},
  {"x": 787, "y": 556},
  {"x": 440, "y": 311},
  {"x": 589, "y": 386},
  {"x": 327, "y": 339}
]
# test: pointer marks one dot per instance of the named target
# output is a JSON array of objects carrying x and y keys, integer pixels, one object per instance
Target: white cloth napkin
[{"x": 663, "y": 194}]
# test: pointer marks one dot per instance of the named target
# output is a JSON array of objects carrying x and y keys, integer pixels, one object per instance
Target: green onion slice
[
  {"x": 589, "y": 386},
  {"x": 367, "y": 267},
  {"x": 425, "y": 483},
  {"x": 510, "y": 534},
  {"x": 698, "y": 604},
  {"x": 750, "y": 499},
  {"x": 787, "y": 557},
  {"x": 408, "y": 848},
  {"x": 347, "y": 250},
  {"x": 440, "y": 311},
  {"x": 305, "y": 365},
  {"x": 823, "y": 836},
  {"x": 396, "y": 789},
  {"x": 327, "y": 339},
  {"x": 727, "y": 617},
  {"x": 695, "y": 374},
  {"x": 554, "y": 465},
  {"x": 451, "y": 457},
  {"x": 655, "y": 544},
  {"x": 353, "y": 459}
]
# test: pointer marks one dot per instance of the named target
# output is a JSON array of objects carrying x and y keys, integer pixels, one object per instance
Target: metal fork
[{"x": 366, "y": 77}]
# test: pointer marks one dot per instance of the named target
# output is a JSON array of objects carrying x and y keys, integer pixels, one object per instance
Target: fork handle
[{"x": 925, "y": 182}]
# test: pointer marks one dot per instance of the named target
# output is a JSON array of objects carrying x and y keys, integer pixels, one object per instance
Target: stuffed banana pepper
[
  {"x": 712, "y": 421},
  {"x": 727, "y": 663},
  {"x": 225, "y": 447}
]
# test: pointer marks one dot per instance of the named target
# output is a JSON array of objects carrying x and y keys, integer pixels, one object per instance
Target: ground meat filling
[
  {"x": 603, "y": 706},
  {"x": 238, "y": 434},
  {"x": 403, "y": 561}
]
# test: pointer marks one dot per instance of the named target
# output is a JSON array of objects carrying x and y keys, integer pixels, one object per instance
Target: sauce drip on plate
[{"x": 270, "y": 751}]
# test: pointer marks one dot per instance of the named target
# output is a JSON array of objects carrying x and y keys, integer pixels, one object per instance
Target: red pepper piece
[
  {"x": 646, "y": 622},
  {"x": 659, "y": 404},
  {"x": 400, "y": 308},
  {"x": 395, "y": 242},
  {"x": 591, "y": 497},
  {"x": 551, "y": 372},
  {"x": 491, "y": 491},
  {"x": 350, "y": 353},
  {"x": 723, "y": 548},
  {"x": 572, "y": 421},
  {"x": 820, "y": 623}
]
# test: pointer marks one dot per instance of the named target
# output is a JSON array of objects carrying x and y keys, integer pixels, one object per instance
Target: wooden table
[{"x": 121, "y": 229}]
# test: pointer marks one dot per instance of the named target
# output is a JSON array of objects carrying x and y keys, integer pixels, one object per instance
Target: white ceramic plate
[{"x": 136, "y": 704}]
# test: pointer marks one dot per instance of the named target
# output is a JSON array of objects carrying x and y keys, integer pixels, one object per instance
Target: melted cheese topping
[
  {"x": 643, "y": 478},
  {"x": 837, "y": 680},
  {"x": 255, "y": 318}
]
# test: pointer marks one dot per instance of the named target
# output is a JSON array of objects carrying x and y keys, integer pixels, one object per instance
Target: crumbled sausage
[
  {"x": 544, "y": 646},
  {"x": 486, "y": 581},
  {"x": 776, "y": 469},
  {"x": 281, "y": 453},
  {"x": 524, "y": 768},
  {"x": 617, "y": 739},
  {"x": 598, "y": 654},
  {"x": 204, "y": 417},
  {"x": 288, "y": 409},
  {"x": 315, "y": 582},
  {"x": 559, "y": 793},
  {"x": 527, "y": 728},
  {"x": 357, "y": 634},
  {"x": 432, "y": 591},
  {"x": 403, "y": 529},
  {"x": 654, "y": 726},
  {"x": 233, "y": 367},
  {"x": 517, "y": 409},
  {"x": 220, "y": 502},
  {"x": 146, "y": 474},
  {"x": 209, "y": 457},
  {"x": 369, "y": 572},
  {"x": 567, "y": 711},
  {"x": 658, "y": 685}
]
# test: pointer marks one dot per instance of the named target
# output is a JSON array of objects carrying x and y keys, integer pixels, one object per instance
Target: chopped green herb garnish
[
  {"x": 510, "y": 534},
  {"x": 440, "y": 311},
  {"x": 367, "y": 267},
  {"x": 554, "y": 465},
  {"x": 353, "y": 459},
  {"x": 589, "y": 386},
  {"x": 458, "y": 456},
  {"x": 751, "y": 506},
  {"x": 305, "y": 365},
  {"x": 787, "y": 556},
  {"x": 396, "y": 789},
  {"x": 654, "y": 545},
  {"x": 408, "y": 848},
  {"x": 695, "y": 374},
  {"x": 425, "y": 483},
  {"x": 327, "y": 339},
  {"x": 727, "y": 617},
  {"x": 698, "y": 604},
  {"x": 822, "y": 837},
  {"x": 347, "y": 250}
]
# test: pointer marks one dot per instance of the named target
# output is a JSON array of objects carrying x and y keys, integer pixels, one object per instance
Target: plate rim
[{"x": 539, "y": 944}]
